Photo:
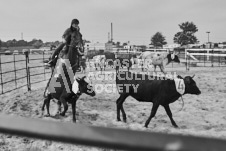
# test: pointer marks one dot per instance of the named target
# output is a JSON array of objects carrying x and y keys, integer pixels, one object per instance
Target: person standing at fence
[{"x": 71, "y": 38}]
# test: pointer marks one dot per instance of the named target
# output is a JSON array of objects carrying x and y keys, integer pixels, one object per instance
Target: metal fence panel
[{"x": 20, "y": 73}]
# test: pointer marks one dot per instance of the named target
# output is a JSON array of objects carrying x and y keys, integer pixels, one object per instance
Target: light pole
[{"x": 208, "y": 36}]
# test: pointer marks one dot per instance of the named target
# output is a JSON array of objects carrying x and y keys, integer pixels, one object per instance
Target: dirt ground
[{"x": 202, "y": 115}]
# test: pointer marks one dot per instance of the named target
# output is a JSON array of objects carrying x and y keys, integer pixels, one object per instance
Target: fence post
[
  {"x": 204, "y": 58},
  {"x": 43, "y": 60},
  {"x": 189, "y": 65},
  {"x": 186, "y": 60},
  {"x": 14, "y": 62},
  {"x": 1, "y": 72},
  {"x": 28, "y": 70},
  {"x": 219, "y": 58},
  {"x": 212, "y": 58}
]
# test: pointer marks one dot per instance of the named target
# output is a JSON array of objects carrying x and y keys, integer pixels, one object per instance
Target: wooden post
[
  {"x": 14, "y": 69},
  {"x": 43, "y": 59},
  {"x": 1, "y": 73},
  {"x": 204, "y": 58},
  {"x": 28, "y": 70},
  {"x": 186, "y": 57},
  {"x": 212, "y": 58},
  {"x": 219, "y": 58}
]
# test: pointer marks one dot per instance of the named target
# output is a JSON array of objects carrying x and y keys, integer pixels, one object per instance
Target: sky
[{"x": 135, "y": 21}]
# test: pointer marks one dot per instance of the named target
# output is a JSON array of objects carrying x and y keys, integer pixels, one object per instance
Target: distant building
[
  {"x": 94, "y": 46},
  {"x": 150, "y": 46},
  {"x": 45, "y": 48},
  {"x": 40, "y": 50},
  {"x": 109, "y": 46},
  {"x": 222, "y": 45},
  {"x": 15, "y": 52},
  {"x": 171, "y": 46},
  {"x": 127, "y": 49}
]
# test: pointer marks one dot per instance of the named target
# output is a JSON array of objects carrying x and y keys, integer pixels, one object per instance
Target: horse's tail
[{"x": 44, "y": 95}]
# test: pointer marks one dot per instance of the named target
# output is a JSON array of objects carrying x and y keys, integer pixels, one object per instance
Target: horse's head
[{"x": 85, "y": 87}]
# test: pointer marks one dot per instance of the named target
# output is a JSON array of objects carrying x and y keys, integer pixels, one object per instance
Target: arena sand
[{"x": 203, "y": 115}]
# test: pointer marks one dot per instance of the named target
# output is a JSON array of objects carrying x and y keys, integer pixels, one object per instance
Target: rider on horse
[{"x": 72, "y": 38}]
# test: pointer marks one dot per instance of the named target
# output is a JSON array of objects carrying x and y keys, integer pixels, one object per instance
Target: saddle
[{"x": 52, "y": 63}]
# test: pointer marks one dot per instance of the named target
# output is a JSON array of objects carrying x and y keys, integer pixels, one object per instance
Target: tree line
[
  {"x": 184, "y": 37},
  {"x": 36, "y": 43}
]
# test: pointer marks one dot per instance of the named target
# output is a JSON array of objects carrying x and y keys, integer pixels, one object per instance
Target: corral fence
[
  {"x": 86, "y": 135},
  {"x": 205, "y": 57},
  {"x": 23, "y": 70}
]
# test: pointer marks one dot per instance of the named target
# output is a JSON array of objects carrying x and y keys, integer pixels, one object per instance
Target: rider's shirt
[{"x": 74, "y": 36}]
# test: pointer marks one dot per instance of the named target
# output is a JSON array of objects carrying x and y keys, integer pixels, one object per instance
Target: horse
[{"x": 59, "y": 85}]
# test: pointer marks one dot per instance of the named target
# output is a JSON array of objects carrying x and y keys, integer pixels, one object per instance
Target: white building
[
  {"x": 94, "y": 46},
  {"x": 171, "y": 46}
]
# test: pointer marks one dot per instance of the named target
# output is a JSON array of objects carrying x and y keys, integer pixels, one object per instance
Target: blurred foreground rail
[{"x": 106, "y": 137}]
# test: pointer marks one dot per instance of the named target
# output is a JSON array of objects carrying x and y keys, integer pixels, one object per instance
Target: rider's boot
[
  {"x": 53, "y": 59},
  {"x": 52, "y": 62}
]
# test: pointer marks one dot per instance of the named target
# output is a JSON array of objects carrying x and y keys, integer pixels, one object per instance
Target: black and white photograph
[{"x": 112, "y": 75}]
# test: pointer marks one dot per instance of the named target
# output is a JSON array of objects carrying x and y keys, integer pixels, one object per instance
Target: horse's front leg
[
  {"x": 63, "y": 101},
  {"x": 46, "y": 103},
  {"x": 59, "y": 107},
  {"x": 162, "y": 69},
  {"x": 74, "y": 109}
]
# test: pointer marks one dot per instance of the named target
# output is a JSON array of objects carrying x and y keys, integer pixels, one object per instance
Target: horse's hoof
[
  {"x": 146, "y": 124},
  {"x": 62, "y": 114},
  {"x": 124, "y": 120},
  {"x": 175, "y": 126}
]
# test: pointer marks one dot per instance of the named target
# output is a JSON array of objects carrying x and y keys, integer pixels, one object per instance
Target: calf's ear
[{"x": 193, "y": 76}]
